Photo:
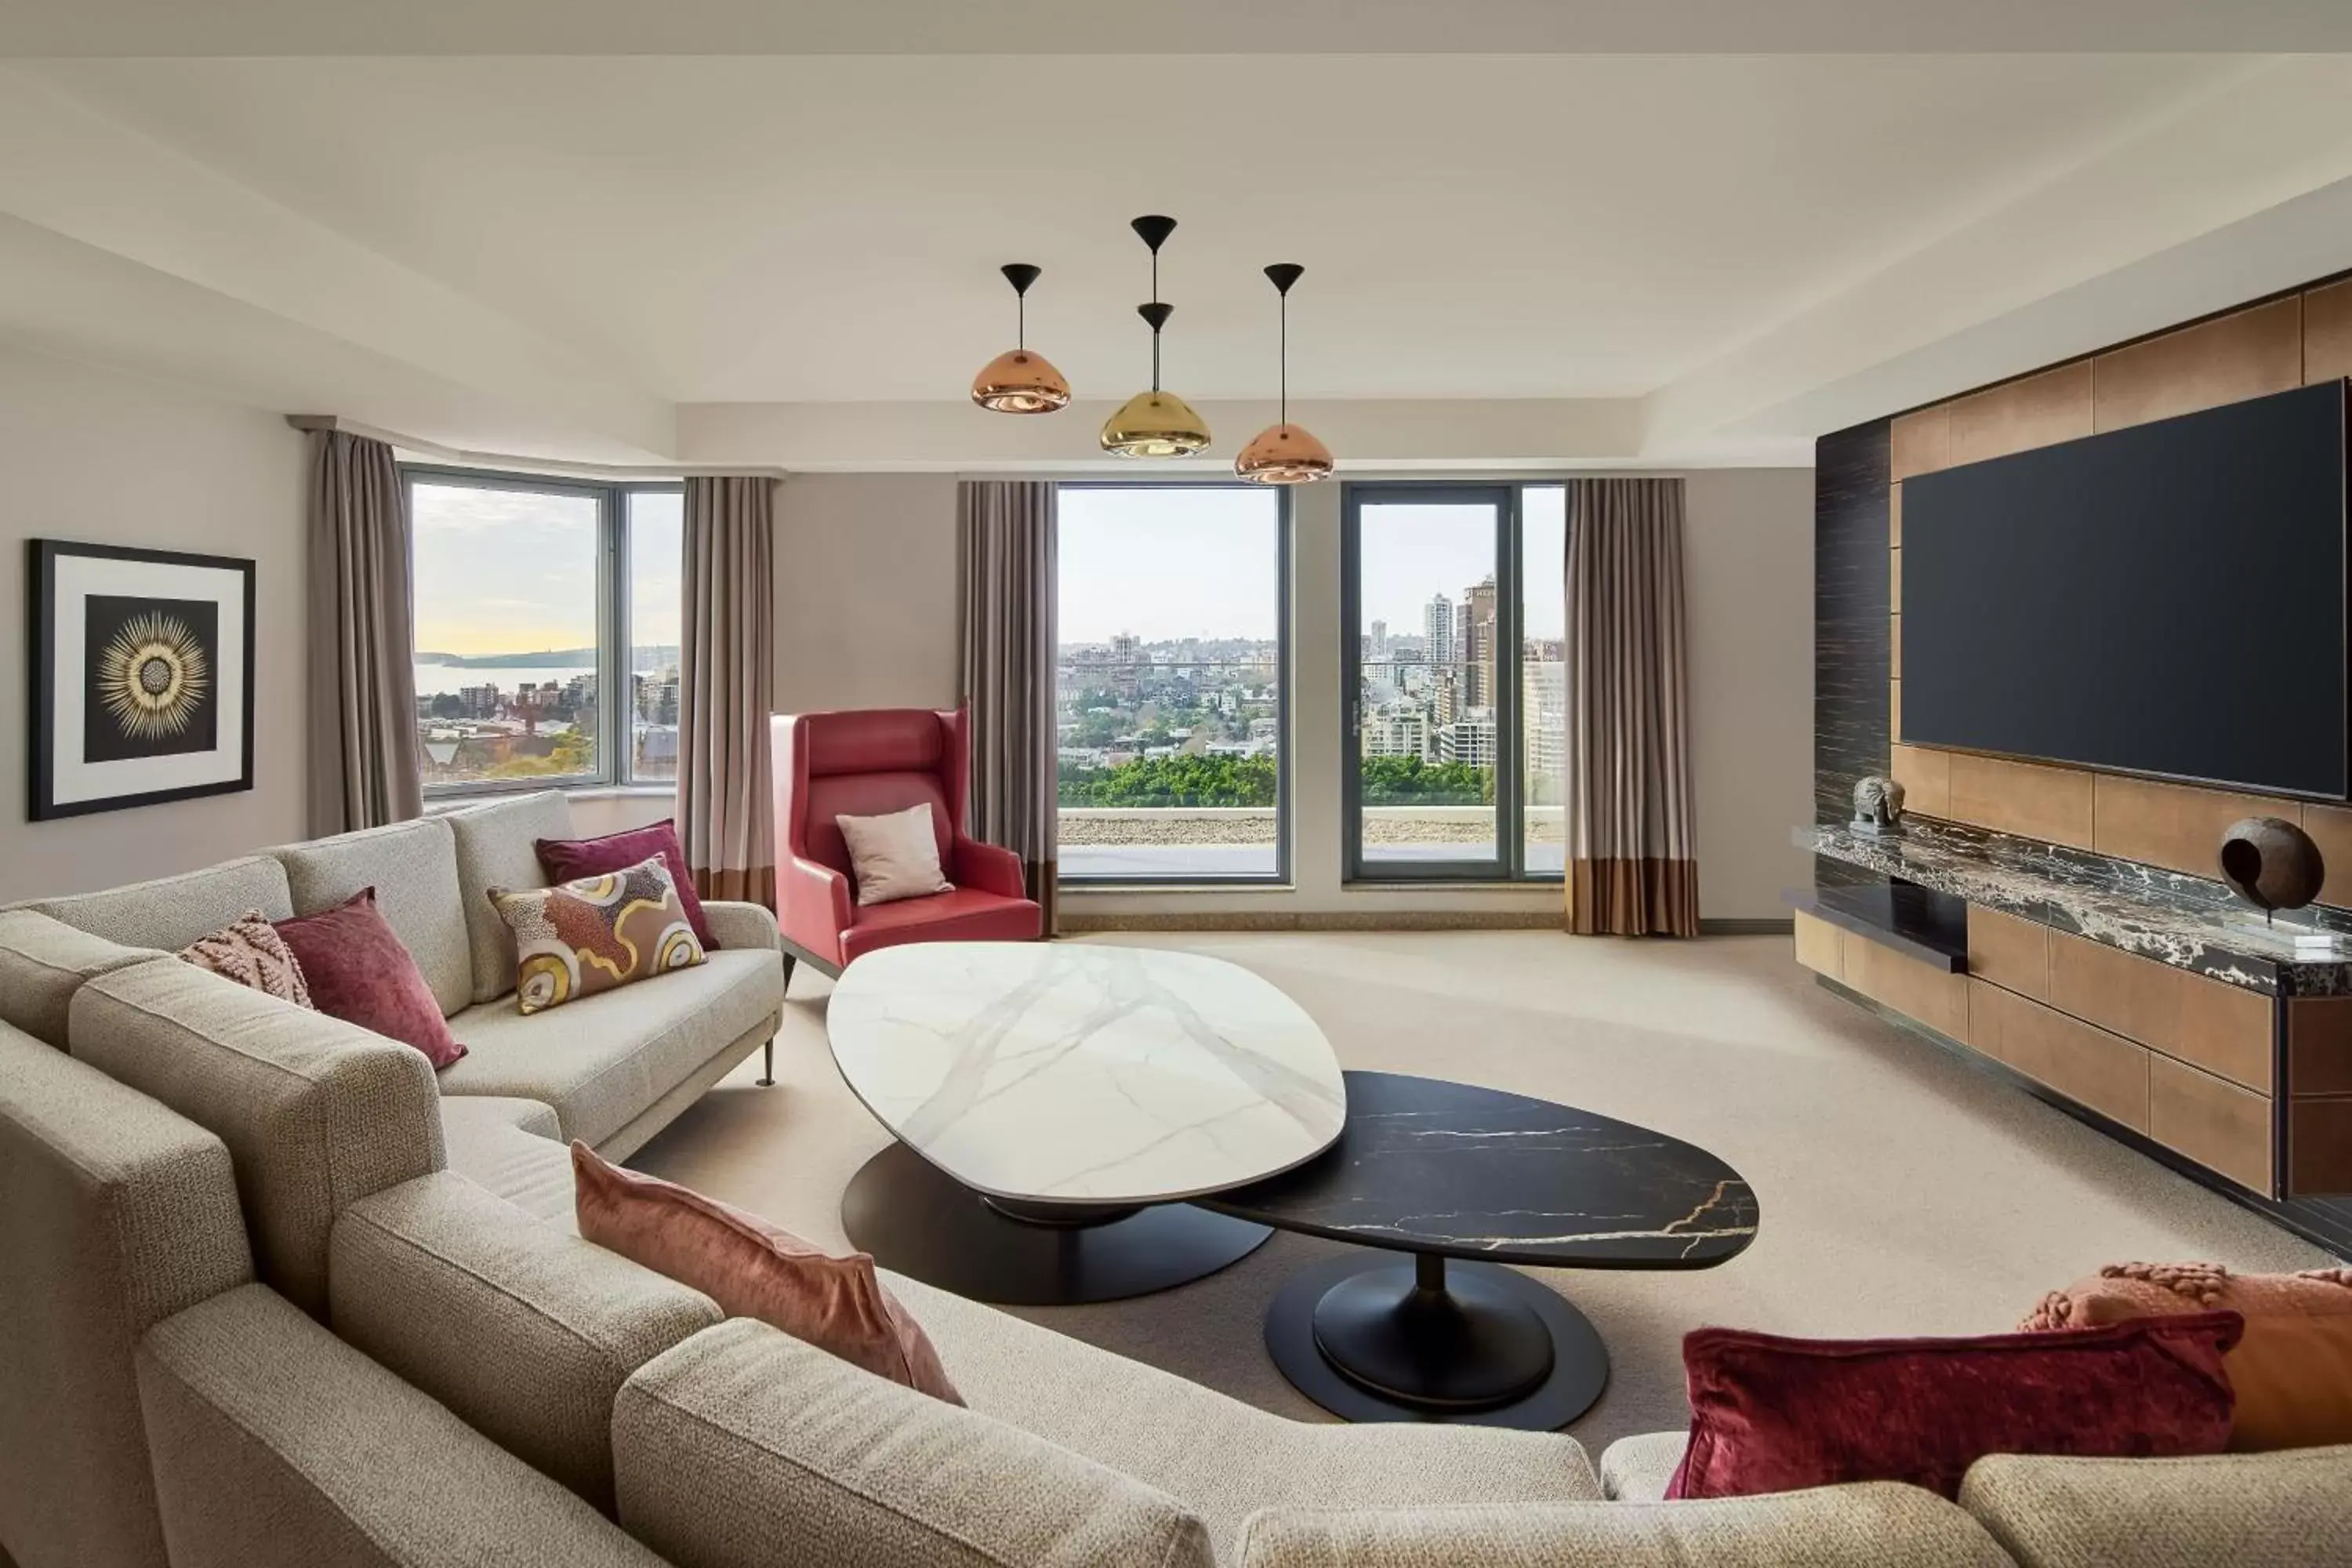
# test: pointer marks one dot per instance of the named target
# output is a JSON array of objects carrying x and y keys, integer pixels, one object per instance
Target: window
[
  {"x": 547, "y": 618},
  {"x": 1457, "y": 606},
  {"x": 1169, "y": 681}
]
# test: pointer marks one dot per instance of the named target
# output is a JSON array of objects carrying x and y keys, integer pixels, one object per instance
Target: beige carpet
[{"x": 1903, "y": 1193}]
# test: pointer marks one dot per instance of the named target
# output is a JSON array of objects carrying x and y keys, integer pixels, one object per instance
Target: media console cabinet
[{"x": 2149, "y": 1002}]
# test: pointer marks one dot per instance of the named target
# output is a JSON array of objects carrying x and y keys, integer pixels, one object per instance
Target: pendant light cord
[
  {"x": 1286, "y": 355},
  {"x": 1155, "y": 326},
  {"x": 1020, "y": 320}
]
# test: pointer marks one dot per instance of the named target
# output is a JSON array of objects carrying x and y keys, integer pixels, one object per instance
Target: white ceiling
[{"x": 1675, "y": 256}]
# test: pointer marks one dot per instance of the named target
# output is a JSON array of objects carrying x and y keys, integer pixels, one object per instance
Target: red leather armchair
[{"x": 866, "y": 764}]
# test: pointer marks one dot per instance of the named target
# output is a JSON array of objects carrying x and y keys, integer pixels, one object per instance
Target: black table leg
[
  {"x": 917, "y": 1219},
  {"x": 1390, "y": 1337}
]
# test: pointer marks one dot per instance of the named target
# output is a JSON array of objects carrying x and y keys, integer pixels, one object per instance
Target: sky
[
  {"x": 1199, "y": 561},
  {"x": 502, "y": 571}
]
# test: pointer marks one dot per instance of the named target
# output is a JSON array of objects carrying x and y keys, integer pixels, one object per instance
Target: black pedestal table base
[
  {"x": 1391, "y": 1337},
  {"x": 918, "y": 1220}
]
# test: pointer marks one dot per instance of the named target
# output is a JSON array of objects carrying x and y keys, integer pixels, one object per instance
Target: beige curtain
[
  {"x": 1632, "y": 865},
  {"x": 726, "y": 809},
  {"x": 362, "y": 756},
  {"x": 1005, "y": 576}
]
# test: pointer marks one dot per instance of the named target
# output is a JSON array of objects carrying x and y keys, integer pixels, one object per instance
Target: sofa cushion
[
  {"x": 598, "y": 933},
  {"x": 523, "y": 1161},
  {"x": 603, "y": 1059},
  {"x": 278, "y": 1446},
  {"x": 316, "y": 1113},
  {"x": 251, "y": 953},
  {"x": 115, "y": 1212},
  {"x": 358, "y": 970},
  {"x": 1771, "y": 1413},
  {"x": 170, "y": 912},
  {"x": 413, "y": 867},
  {"x": 1221, "y": 1458},
  {"x": 496, "y": 848},
  {"x": 1874, "y": 1525},
  {"x": 1637, "y": 1469},
  {"x": 2287, "y": 1510},
  {"x": 743, "y": 1446},
  {"x": 756, "y": 1269},
  {"x": 43, "y": 962},
  {"x": 524, "y": 1330},
  {"x": 569, "y": 860},
  {"x": 895, "y": 856}
]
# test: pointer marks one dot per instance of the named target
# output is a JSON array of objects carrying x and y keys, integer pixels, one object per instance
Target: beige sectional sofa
[{"x": 274, "y": 1296}]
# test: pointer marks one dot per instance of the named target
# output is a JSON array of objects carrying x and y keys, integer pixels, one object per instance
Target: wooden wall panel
[
  {"x": 2327, "y": 333},
  {"x": 2215, "y": 1123},
  {"x": 2319, "y": 1045},
  {"x": 2030, "y": 799},
  {"x": 1936, "y": 997},
  {"x": 1895, "y": 649},
  {"x": 2019, "y": 416},
  {"x": 1919, "y": 442},
  {"x": 1894, "y": 709},
  {"x": 1926, "y": 777},
  {"x": 2009, "y": 953},
  {"x": 2174, "y": 826},
  {"x": 2330, "y": 827},
  {"x": 2103, "y": 1071},
  {"x": 2225, "y": 359},
  {"x": 2319, "y": 1145},
  {"x": 1894, "y": 516},
  {"x": 1817, "y": 943},
  {"x": 1894, "y": 581}
]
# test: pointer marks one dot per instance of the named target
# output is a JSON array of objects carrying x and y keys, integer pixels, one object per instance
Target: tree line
[{"x": 1228, "y": 781}]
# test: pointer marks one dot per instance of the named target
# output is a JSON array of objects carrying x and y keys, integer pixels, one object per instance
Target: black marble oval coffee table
[{"x": 1443, "y": 1171}]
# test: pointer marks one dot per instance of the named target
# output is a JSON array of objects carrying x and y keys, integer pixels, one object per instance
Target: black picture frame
[{"x": 44, "y": 626}]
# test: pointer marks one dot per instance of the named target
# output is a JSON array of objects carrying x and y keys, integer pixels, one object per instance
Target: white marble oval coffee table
[{"x": 1055, "y": 1103}]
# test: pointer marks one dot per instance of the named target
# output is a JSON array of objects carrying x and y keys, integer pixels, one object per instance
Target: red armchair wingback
[{"x": 866, "y": 764}]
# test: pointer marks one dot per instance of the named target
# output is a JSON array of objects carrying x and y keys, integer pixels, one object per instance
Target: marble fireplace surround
[{"x": 2190, "y": 922}]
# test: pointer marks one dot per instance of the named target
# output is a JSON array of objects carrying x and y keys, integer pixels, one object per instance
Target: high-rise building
[
  {"x": 1379, "y": 648},
  {"x": 1478, "y": 652},
  {"x": 1438, "y": 630},
  {"x": 1125, "y": 660},
  {"x": 1469, "y": 739},
  {"x": 1397, "y": 732}
]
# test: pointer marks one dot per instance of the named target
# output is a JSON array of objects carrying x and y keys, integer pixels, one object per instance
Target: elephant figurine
[{"x": 1878, "y": 805}]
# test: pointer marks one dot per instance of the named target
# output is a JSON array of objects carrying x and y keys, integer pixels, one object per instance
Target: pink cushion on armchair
[{"x": 1771, "y": 1415}]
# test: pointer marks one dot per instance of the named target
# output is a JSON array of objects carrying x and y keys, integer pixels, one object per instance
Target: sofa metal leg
[{"x": 767, "y": 1078}]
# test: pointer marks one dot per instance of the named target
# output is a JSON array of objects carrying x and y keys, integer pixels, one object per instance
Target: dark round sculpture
[{"x": 2272, "y": 863}]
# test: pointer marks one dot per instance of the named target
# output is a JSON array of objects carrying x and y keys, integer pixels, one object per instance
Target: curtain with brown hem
[
  {"x": 726, "y": 808},
  {"x": 1632, "y": 867},
  {"x": 1006, "y": 571},
  {"x": 363, "y": 768}
]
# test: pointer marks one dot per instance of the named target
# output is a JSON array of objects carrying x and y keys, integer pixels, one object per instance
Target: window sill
[
  {"x": 1070, "y": 888},
  {"x": 458, "y": 799}
]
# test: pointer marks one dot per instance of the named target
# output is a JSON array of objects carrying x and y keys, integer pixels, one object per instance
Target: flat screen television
[{"x": 2167, "y": 599}]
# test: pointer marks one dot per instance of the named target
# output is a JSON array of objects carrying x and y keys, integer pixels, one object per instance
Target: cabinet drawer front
[
  {"x": 2013, "y": 953},
  {"x": 2103, "y": 1071},
  {"x": 1936, "y": 997},
  {"x": 2220, "y": 1028},
  {"x": 2214, "y": 1122},
  {"x": 1817, "y": 945}
]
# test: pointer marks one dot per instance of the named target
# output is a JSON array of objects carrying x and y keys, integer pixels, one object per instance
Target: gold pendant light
[
  {"x": 1283, "y": 453},
  {"x": 1016, "y": 381},
  {"x": 1154, "y": 424}
]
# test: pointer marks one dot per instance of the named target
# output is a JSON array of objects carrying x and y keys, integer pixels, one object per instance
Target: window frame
[
  {"x": 1509, "y": 862},
  {"x": 614, "y": 763},
  {"x": 1280, "y": 875}
]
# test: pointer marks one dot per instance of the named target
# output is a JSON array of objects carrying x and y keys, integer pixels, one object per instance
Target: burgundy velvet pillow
[
  {"x": 1771, "y": 1415},
  {"x": 753, "y": 1269},
  {"x": 361, "y": 971},
  {"x": 569, "y": 859}
]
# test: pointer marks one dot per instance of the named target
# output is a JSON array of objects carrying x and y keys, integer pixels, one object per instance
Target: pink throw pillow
[
  {"x": 251, "y": 953},
  {"x": 361, "y": 971},
  {"x": 1773, "y": 1415},
  {"x": 569, "y": 859},
  {"x": 753, "y": 1269}
]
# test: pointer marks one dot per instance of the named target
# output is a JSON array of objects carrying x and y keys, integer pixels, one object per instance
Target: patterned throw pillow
[
  {"x": 251, "y": 953},
  {"x": 596, "y": 933}
]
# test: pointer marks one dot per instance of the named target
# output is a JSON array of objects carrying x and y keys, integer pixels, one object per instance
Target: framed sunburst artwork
[{"x": 143, "y": 676}]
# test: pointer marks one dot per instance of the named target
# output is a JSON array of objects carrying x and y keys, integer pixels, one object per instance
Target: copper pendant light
[
  {"x": 1017, "y": 381},
  {"x": 1154, "y": 424},
  {"x": 1283, "y": 453}
]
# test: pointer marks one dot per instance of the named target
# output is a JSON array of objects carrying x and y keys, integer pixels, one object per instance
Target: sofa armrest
[
  {"x": 278, "y": 1446},
  {"x": 1875, "y": 1524},
  {"x": 1637, "y": 1469},
  {"x": 988, "y": 869},
  {"x": 2287, "y": 1505},
  {"x": 814, "y": 905},
  {"x": 523, "y": 1330},
  {"x": 741, "y": 1427},
  {"x": 748, "y": 926}
]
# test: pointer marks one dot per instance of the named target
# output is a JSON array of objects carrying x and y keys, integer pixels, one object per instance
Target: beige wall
[
  {"x": 866, "y": 616},
  {"x": 88, "y": 455}
]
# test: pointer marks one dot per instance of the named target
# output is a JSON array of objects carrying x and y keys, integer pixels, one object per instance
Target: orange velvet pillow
[
  {"x": 754, "y": 1270},
  {"x": 2292, "y": 1369}
]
